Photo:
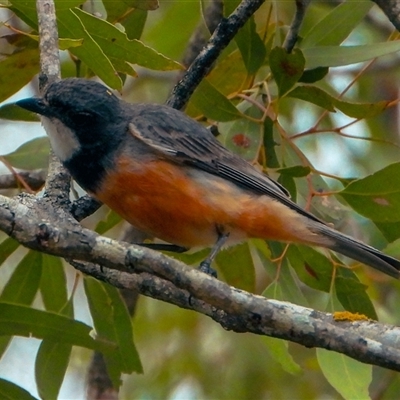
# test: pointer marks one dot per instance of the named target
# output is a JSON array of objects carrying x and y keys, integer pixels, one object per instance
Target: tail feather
[{"x": 361, "y": 252}]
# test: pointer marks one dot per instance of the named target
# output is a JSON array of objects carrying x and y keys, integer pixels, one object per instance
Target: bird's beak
[{"x": 34, "y": 104}]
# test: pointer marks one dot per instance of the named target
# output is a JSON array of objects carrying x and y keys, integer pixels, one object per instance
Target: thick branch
[
  {"x": 34, "y": 223},
  {"x": 221, "y": 37}
]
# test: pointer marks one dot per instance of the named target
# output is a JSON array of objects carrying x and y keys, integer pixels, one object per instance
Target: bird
[{"x": 167, "y": 175}]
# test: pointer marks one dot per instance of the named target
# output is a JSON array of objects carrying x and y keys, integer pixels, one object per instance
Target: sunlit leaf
[
  {"x": 349, "y": 377},
  {"x": 50, "y": 367},
  {"x": 31, "y": 155},
  {"x": 116, "y": 44},
  {"x": 336, "y": 56},
  {"x": 286, "y": 68},
  {"x": 337, "y": 25},
  {"x": 376, "y": 196}
]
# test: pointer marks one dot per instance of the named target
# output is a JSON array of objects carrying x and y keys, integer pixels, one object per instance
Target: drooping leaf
[
  {"x": 376, "y": 196},
  {"x": 7, "y": 247},
  {"x": 50, "y": 367},
  {"x": 19, "y": 320},
  {"x": 286, "y": 68},
  {"x": 336, "y": 56},
  {"x": 53, "y": 286},
  {"x": 319, "y": 97},
  {"x": 251, "y": 46},
  {"x": 279, "y": 350},
  {"x": 11, "y": 391},
  {"x": 23, "y": 284},
  {"x": 112, "y": 322},
  {"x": 269, "y": 144},
  {"x": 237, "y": 267},
  {"x": 314, "y": 75},
  {"x": 349, "y": 377},
  {"x": 337, "y": 25},
  {"x": 30, "y": 155}
]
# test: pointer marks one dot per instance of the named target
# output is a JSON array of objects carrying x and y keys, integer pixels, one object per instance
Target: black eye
[{"x": 83, "y": 118}]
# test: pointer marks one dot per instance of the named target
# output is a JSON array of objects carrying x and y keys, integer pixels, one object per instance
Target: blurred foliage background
[{"x": 326, "y": 128}]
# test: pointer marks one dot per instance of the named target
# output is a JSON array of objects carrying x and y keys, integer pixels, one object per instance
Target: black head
[
  {"x": 85, "y": 123},
  {"x": 78, "y": 103}
]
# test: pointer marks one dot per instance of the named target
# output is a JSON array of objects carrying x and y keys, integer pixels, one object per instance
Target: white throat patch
[{"x": 63, "y": 141}]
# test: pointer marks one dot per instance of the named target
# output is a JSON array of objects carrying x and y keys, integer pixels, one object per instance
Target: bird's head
[{"x": 77, "y": 113}]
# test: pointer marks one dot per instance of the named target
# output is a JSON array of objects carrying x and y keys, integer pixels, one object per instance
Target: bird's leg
[{"x": 205, "y": 266}]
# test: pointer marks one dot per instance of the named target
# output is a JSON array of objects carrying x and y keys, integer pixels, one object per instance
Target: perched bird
[{"x": 167, "y": 175}]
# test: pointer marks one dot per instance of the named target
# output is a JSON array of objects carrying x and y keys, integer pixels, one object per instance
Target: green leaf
[
  {"x": 134, "y": 24},
  {"x": 352, "y": 294},
  {"x": 336, "y": 56},
  {"x": 270, "y": 144},
  {"x": 376, "y": 196},
  {"x": 236, "y": 265},
  {"x": 115, "y": 44},
  {"x": 251, "y": 46},
  {"x": 297, "y": 171},
  {"x": 70, "y": 26},
  {"x": 314, "y": 75},
  {"x": 286, "y": 68},
  {"x": 312, "y": 267},
  {"x": 7, "y": 247},
  {"x": 23, "y": 284},
  {"x": 53, "y": 285},
  {"x": 243, "y": 137},
  {"x": 113, "y": 322},
  {"x": 213, "y": 104},
  {"x": 337, "y": 25},
  {"x": 24, "y": 62},
  {"x": 31, "y": 155},
  {"x": 319, "y": 97},
  {"x": 349, "y": 377},
  {"x": 12, "y": 112},
  {"x": 314, "y": 95},
  {"x": 50, "y": 367},
  {"x": 112, "y": 219},
  {"x": 21, "y": 320},
  {"x": 279, "y": 350},
  {"x": 10, "y": 391}
]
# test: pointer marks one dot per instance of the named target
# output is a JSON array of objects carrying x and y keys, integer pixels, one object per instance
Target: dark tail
[{"x": 360, "y": 252}]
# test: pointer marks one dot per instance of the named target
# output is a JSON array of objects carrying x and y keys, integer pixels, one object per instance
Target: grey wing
[{"x": 183, "y": 140}]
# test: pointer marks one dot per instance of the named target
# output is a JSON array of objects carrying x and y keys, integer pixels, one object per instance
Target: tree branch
[
  {"x": 34, "y": 223},
  {"x": 391, "y": 8},
  {"x": 58, "y": 179},
  {"x": 221, "y": 37}
]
